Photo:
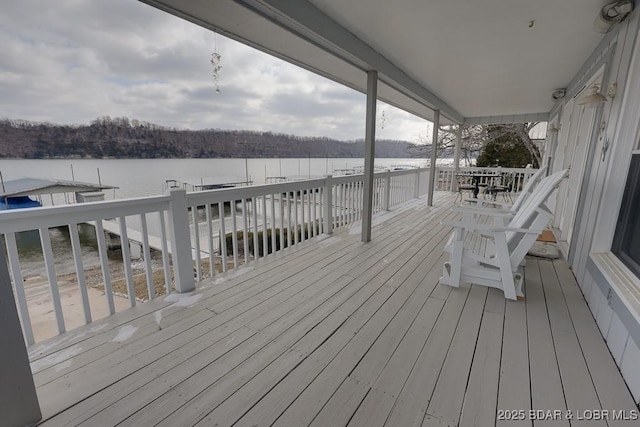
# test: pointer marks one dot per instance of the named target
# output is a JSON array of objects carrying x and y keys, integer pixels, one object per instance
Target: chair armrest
[
  {"x": 489, "y": 202},
  {"x": 488, "y": 228},
  {"x": 482, "y": 211}
]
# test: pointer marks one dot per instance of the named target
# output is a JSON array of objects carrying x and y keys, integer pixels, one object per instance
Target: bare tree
[{"x": 474, "y": 138}]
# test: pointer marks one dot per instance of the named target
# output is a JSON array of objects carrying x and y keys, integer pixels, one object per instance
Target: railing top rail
[
  {"x": 476, "y": 168},
  {"x": 198, "y": 198},
  {"x": 16, "y": 220},
  {"x": 237, "y": 193}
]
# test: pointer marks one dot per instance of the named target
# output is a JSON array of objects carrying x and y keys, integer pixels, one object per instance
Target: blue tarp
[{"x": 18, "y": 203}]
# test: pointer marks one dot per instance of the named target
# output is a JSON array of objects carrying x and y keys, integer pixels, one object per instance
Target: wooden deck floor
[{"x": 338, "y": 332}]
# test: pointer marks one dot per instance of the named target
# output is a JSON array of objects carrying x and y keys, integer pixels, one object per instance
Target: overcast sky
[{"x": 71, "y": 61}]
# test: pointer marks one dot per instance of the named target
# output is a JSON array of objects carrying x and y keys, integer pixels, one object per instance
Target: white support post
[
  {"x": 434, "y": 156},
  {"x": 180, "y": 241},
  {"x": 19, "y": 404},
  {"x": 369, "y": 154},
  {"x": 456, "y": 159},
  {"x": 327, "y": 193}
]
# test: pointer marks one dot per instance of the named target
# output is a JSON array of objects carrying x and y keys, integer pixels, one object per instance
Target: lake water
[{"x": 145, "y": 177}]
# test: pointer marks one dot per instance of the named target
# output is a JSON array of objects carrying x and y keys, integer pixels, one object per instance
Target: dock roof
[{"x": 34, "y": 186}]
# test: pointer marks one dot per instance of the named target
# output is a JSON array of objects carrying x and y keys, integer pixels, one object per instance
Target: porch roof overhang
[{"x": 475, "y": 61}]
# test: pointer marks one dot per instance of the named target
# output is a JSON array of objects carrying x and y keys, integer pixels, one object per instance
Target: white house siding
[{"x": 603, "y": 181}]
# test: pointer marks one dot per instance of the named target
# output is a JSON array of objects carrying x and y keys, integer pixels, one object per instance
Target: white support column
[
  {"x": 19, "y": 404},
  {"x": 180, "y": 236},
  {"x": 456, "y": 159},
  {"x": 369, "y": 154},
  {"x": 434, "y": 156}
]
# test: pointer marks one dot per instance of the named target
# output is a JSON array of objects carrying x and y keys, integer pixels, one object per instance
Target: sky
[{"x": 71, "y": 61}]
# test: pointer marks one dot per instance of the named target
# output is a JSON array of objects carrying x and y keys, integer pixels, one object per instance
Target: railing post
[
  {"x": 386, "y": 195},
  {"x": 328, "y": 204},
  {"x": 19, "y": 400},
  {"x": 416, "y": 188},
  {"x": 180, "y": 236}
]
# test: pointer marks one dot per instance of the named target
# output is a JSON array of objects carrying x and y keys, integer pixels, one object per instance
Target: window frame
[{"x": 630, "y": 199}]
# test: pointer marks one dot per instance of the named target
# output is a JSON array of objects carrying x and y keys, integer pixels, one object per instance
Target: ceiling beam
[
  {"x": 307, "y": 21},
  {"x": 501, "y": 120}
]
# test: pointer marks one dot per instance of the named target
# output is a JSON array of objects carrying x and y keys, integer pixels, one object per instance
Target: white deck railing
[{"x": 198, "y": 234}]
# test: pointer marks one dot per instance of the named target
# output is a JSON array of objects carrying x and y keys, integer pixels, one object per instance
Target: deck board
[
  {"x": 546, "y": 386},
  {"x": 336, "y": 332},
  {"x": 578, "y": 386}
]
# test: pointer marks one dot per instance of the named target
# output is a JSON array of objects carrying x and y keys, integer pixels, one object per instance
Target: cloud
[{"x": 80, "y": 59}]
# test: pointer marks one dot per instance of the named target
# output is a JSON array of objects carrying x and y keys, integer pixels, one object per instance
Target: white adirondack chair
[{"x": 493, "y": 255}]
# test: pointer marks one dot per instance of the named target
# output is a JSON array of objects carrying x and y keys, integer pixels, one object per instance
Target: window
[{"x": 626, "y": 240}]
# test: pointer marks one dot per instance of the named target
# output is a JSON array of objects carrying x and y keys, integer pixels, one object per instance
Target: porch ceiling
[{"x": 468, "y": 58}]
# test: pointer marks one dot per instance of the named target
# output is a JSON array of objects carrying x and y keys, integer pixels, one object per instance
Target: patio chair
[
  {"x": 491, "y": 255},
  {"x": 464, "y": 184}
]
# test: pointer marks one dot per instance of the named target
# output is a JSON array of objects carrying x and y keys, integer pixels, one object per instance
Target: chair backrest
[
  {"x": 528, "y": 188},
  {"x": 533, "y": 213}
]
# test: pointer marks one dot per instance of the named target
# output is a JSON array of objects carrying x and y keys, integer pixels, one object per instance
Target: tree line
[{"x": 107, "y": 137}]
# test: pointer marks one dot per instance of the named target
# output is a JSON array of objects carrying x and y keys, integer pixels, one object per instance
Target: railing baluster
[
  {"x": 352, "y": 202},
  {"x": 281, "y": 209},
  {"x": 289, "y": 226},
  {"x": 339, "y": 203},
  {"x": 302, "y": 219},
  {"x": 348, "y": 202},
  {"x": 212, "y": 259},
  {"x": 47, "y": 252},
  {"x": 126, "y": 260},
  {"x": 196, "y": 241},
  {"x": 256, "y": 240},
  {"x": 165, "y": 253},
  {"x": 222, "y": 236},
  {"x": 335, "y": 217},
  {"x": 16, "y": 274},
  {"x": 314, "y": 222},
  {"x": 234, "y": 234},
  {"x": 359, "y": 200},
  {"x": 104, "y": 262},
  {"x": 245, "y": 231},
  {"x": 273, "y": 224},
  {"x": 345, "y": 204},
  {"x": 82, "y": 280},
  {"x": 265, "y": 226},
  {"x": 321, "y": 211},
  {"x": 295, "y": 217},
  {"x": 146, "y": 253}
]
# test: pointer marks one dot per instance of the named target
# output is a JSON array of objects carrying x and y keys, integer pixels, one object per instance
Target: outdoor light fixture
[
  {"x": 554, "y": 128},
  {"x": 593, "y": 98},
  {"x": 558, "y": 94},
  {"x": 611, "y": 14}
]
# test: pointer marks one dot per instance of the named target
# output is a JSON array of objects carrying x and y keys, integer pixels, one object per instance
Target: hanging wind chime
[{"x": 215, "y": 62}]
